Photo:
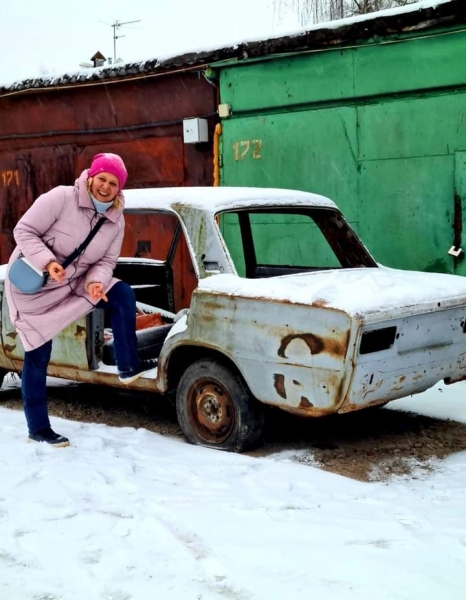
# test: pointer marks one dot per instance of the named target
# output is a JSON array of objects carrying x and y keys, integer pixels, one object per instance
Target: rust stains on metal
[
  {"x": 209, "y": 317},
  {"x": 80, "y": 331},
  {"x": 314, "y": 343},
  {"x": 279, "y": 383},
  {"x": 210, "y": 305},
  {"x": 143, "y": 123},
  {"x": 340, "y": 385},
  {"x": 319, "y": 303},
  {"x": 305, "y": 403},
  {"x": 340, "y": 407},
  {"x": 402, "y": 378},
  {"x": 337, "y": 347},
  {"x": 354, "y": 407},
  {"x": 308, "y": 411},
  {"x": 99, "y": 378}
]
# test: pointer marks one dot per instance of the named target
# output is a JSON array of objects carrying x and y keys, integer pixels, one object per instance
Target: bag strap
[{"x": 80, "y": 249}]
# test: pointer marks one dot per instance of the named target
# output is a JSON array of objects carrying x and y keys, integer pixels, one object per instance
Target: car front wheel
[{"x": 215, "y": 408}]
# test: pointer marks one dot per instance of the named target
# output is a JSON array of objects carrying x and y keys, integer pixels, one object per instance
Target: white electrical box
[
  {"x": 195, "y": 131},
  {"x": 224, "y": 111}
]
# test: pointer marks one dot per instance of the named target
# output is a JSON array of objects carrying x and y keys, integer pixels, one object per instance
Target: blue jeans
[{"x": 122, "y": 307}]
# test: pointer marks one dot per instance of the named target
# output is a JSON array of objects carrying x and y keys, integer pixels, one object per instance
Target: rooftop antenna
[{"x": 116, "y": 26}]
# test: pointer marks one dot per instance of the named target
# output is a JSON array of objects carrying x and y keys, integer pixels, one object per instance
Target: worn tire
[{"x": 216, "y": 409}]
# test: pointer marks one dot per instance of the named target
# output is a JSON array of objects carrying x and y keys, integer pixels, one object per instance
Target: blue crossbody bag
[{"x": 29, "y": 280}]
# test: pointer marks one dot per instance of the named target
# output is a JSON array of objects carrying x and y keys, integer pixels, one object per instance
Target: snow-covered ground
[{"x": 128, "y": 514}]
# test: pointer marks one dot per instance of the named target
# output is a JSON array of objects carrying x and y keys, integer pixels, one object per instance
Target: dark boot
[{"x": 50, "y": 437}]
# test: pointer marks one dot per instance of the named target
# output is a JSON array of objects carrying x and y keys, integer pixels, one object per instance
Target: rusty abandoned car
[{"x": 265, "y": 297}]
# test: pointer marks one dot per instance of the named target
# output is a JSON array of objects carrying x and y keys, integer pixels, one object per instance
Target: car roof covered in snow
[{"x": 218, "y": 199}]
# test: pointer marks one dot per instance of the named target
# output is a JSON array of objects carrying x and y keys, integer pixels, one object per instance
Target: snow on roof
[
  {"x": 215, "y": 199},
  {"x": 381, "y": 292},
  {"x": 333, "y": 33},
  {"x": 387, "y": 12}
]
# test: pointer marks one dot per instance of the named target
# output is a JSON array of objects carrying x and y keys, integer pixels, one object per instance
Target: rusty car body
[{"x": 266, "y": 297}]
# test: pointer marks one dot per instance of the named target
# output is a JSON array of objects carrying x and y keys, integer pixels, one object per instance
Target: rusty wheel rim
[{"x": 211, "y": 411}]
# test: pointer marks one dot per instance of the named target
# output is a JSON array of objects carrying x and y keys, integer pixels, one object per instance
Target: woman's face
[{"x": 104, "y": 187}]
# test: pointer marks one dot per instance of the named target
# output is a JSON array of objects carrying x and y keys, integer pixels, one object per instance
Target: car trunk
[{"x": 408, "y": 328}]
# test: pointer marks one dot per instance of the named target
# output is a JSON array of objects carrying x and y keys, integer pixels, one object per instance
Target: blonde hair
[{"x": 117, "y": 202}]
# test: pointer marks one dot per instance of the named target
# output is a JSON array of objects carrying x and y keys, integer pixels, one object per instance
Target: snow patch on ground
[{"x": 128, "y": 514}]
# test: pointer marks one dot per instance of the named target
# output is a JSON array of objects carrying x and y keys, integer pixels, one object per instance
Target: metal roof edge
[{"x": 322, "y": 36}]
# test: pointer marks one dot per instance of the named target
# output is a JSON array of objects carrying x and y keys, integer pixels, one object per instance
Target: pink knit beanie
[{"x": 109, "y": 163}]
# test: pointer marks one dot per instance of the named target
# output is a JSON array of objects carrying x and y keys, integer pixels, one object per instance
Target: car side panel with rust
[{"x": 292, "y": 356}]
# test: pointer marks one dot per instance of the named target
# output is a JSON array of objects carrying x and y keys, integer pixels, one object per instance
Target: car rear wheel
[{"x": 216, "y": 409}]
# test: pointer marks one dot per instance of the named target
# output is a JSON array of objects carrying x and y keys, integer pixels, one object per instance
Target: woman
[{"x": 57, "y": 223}]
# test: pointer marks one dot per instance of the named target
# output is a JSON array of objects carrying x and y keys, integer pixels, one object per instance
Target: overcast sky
[{"x": 52, "y": 37}]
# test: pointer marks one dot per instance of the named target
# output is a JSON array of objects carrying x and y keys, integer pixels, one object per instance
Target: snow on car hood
[{"x": 358, "y": 292}]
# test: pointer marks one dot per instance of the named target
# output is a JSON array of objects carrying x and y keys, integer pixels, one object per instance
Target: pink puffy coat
[{"x": 50, "y": 230}]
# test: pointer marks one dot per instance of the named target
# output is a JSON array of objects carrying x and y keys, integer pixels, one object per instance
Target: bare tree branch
[{"x": 317, "y": 11}]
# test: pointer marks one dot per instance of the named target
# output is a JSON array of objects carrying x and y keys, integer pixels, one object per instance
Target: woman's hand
[
  {"x": 55, "y": 271},
  {"x": 96, "y": 291}
]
